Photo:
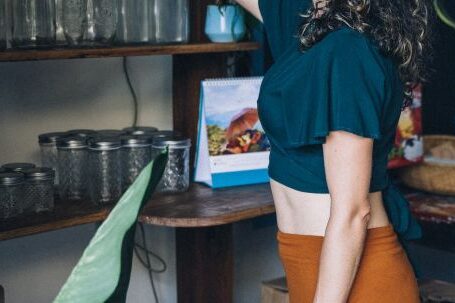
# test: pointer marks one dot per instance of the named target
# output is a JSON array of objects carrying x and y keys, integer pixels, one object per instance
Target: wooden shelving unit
[{"x": 123, "y": 51}]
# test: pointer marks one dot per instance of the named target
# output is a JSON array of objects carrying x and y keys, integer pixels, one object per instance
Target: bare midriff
[{"x": 308, "y": 213}]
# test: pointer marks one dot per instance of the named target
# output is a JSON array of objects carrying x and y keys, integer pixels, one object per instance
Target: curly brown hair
[{"x": 401, "y": 28}]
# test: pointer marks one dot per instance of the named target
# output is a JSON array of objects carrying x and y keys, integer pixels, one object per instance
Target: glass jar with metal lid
[
  {"x": 136, "y": 154},
  {"x": 11, "y": 194},
  {"x": 17, "y": 167},
  {"x": 39, "y": 189},
  {"x": 48, "y": 148},
  {"x": 72, "y": 168},
  {"x": 140, "y": 130},
  {"x": 105, "y": 170},
  {"x": 81, "y": 132},
  {"x": 2, "y": 24},
  {"x": 176, "y": 177}
]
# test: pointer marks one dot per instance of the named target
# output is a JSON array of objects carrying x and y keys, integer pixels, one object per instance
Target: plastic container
[
  {"x": 136, "y": 154},
  {"x": 133, "y": 26},
  {"x": 176, "y": 175},
  {"x": 17, "y": 167},
  {"x": 102, "y": 19},
  {"x": 105, "y": 170},
  {"x": 11, "y": 194},
  {"x": 170, "y": 21},
  {"x": 33, "y": 23},
  {"x": 39, "y": 190},
  {"x": 48, "y": 148},
  {"x": 72, "y": 168}
]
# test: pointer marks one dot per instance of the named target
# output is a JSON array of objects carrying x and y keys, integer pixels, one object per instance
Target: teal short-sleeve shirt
[{"x": 343, "y": 82}]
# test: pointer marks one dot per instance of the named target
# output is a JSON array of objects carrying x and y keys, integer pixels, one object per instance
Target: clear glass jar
[
  {"x": 140, "y": 130},
  {"x": 48, "y": 148},
  {"x": 133, "y": 25},
  {"x": 39, "y": 190},
  {"x": 3, "y": 24},
  {"x": 176, "y": 177},
  {"x": 105, "y": 170},
  {"x": 17, "y": 167},
  {"x": 11, "y": 194},
  {"x": 33, "y": 23},
  {"x": 170, "y": 21},
  {"x": 73, "y": 20},
  {"x": 136, "y": 154},
  {"x": 72, "y": 168},
  {"x": 102, "y": 19}
]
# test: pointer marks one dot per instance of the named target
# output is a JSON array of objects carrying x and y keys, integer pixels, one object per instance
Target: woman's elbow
[{"x": 356, "y": 215}]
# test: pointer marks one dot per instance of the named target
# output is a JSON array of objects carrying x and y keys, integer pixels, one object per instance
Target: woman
[{"x": 330, "y": 105}]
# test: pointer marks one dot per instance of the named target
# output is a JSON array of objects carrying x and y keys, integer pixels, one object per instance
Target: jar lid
[
  {"x": 175, "y": 141},
  {"x": 51, "y": 137},
  {"x": 11, "y": 178},
  {"x": 165, "y": 133},
  {"x": 17, "y": 167},
  {"x": 80, "y": 132},
  {"x": 109, "y": 133},
  {"x": 39, "y": 174},
  {"x": 140, "y": 130},
  {"x": 104, "y": 143},
  {"x": 73, "y": 142},
  {"x": 136, "y": 140}
]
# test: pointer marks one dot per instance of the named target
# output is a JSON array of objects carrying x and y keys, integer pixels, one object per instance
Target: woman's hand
[
  {"x": 347, "y": 161},
  {"x": 250, "y": 5}
]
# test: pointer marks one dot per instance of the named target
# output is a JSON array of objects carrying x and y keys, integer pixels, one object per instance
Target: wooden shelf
[
  {"x": 122, "y": 51},
  {"x": 201, "y": 206}
]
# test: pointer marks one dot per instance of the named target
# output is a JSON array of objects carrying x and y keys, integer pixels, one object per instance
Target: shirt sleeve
[{"x": 344, "y": 90}]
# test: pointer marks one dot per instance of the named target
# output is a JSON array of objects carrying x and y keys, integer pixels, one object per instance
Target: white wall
[{"x": 43, "y": 96}]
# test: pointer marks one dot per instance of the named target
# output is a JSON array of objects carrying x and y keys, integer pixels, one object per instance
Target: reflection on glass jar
[
  {"x": 72, "y": 168},
  {"x": 102, "y": 18},
  {"x": 105, "y": 172},
  {"x": 33, "y": 23},
  {"x": 11, "y": 194},
  {"x": 2, "y": 24},
  {"x": 74, "y": 20},
  {"x": 176, "y": 177},
  {"x": 133, "y": 25}
]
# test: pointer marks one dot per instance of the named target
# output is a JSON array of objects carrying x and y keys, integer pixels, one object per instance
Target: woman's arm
[
  {"x": 347, "y": 160},
  {"x": 250, "y": 5}
]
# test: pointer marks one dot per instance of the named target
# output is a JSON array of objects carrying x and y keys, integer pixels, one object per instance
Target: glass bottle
[
  {"x": 33, "y": 23},
  {"x": 11, "y": 194},
  {"x": 176, "y": 176},
  {"x": 105, "y": 170},
  {"x": 133, "y": 23},
  {"x": 2, "y": 24},
  {"x": 39, "y": 189},
  {"x": 72, "y": 168},
  {"x": 136, "y": 154},
  {"x": 170, "y": 21},
  {"x": 102, "y": 19},
  {"x": 73, "y": 20}
]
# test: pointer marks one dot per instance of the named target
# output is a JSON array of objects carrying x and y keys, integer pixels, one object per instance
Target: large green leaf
[{"x": 103, "y": 272}]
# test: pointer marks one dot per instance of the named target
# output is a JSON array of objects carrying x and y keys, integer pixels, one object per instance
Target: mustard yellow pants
[{"x": 384, "y": 275}]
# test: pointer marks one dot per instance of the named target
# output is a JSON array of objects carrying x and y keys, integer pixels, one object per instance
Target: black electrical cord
[
  {"x": 132, "y": 91},
  {"x": 147, "y": 262}
]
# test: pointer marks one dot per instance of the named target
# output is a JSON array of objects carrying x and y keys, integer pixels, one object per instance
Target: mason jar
[
  {"x": 140, "y": 130},
  {"x": 72, "y": 168},
  {"x": 73, "y": 19},
  {"x": 39, "y": 189},
  {"x": 170, "y": 21},
  {"x": 17, "y": 167},
  {"x": 48, "y": 149},
  {"x": 81, "y": 132},
  {"x": 33, "y": 23},
  {"x": 102, "y": 19},
  {"x": 136, "y": 154},
  {"x": 105, "y": 170},
  {"x": 3, "y": 24},
  {"x": 176, "y": 176},
  {"x": 133, "y": 25},
  {"x": 11, "y": 194}
]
